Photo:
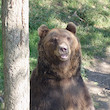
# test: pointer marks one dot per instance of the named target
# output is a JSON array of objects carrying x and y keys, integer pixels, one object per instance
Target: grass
[
  {"x": 90, "y": 16},
  {"x": 1, "y": 62}
]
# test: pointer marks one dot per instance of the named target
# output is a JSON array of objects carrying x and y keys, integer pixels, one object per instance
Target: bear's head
[{"x": 59, "y": 46}]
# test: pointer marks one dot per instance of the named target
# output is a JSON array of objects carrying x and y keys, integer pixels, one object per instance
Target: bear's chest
[{"x": 63, "y": 95}]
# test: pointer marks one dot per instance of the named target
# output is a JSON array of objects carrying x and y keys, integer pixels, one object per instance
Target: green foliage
[
  {"x": 83, "y": 72},
  {"x": 90, "y": 16},
  {"x": 1, "y": 68},
  {"x": 33, "y": 48}
]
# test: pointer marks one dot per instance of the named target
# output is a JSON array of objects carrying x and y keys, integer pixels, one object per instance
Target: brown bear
[{"x": 56, "y": 82}]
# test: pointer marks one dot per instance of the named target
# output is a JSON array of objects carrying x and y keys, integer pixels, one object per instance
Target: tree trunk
[{"x": 15, "y": 33}]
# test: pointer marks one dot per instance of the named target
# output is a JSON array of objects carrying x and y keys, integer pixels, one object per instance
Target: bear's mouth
[
  {"x": 64, "y": 57},
  {"x": 62, "y": 52}
]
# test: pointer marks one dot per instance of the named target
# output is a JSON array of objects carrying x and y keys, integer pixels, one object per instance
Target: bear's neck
[{"x": 60, "y": 70}]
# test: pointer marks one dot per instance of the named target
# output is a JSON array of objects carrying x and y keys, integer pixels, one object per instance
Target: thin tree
[{"x": 15, "y": 33}]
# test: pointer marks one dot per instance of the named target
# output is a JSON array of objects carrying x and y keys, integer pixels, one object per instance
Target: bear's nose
[{"x": 63, "y": 48}]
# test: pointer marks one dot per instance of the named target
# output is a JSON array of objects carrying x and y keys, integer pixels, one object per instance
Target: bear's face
[{"x": 58, "y": 44}]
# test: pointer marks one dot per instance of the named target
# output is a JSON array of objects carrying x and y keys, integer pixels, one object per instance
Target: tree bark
[{"x": 15, "y": 34}]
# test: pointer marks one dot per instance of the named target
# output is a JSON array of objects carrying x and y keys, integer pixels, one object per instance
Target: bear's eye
[
  {"x": 68, "y": 38},
  {"x": 53, "y": 40}
]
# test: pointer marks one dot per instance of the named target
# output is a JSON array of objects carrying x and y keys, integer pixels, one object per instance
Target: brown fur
[{"x": 57, "y": 84}]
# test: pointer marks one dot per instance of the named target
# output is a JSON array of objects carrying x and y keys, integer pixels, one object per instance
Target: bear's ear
[
  {"x": 42, "y": 31},
  {"x": 71, "y": 27}
]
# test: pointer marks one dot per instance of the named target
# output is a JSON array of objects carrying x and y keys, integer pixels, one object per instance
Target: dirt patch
[
  {"x": 99, "y": 87},
  {"x": 98, "y": 81}
]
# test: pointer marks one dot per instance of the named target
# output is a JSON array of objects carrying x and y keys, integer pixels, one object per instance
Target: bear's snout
[
  {"x": 63, "y": 48},
  {"x": 62, "y": 51}
]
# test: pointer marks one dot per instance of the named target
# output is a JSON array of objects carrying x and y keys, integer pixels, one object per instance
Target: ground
[{"x": 98, "y": 81}]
